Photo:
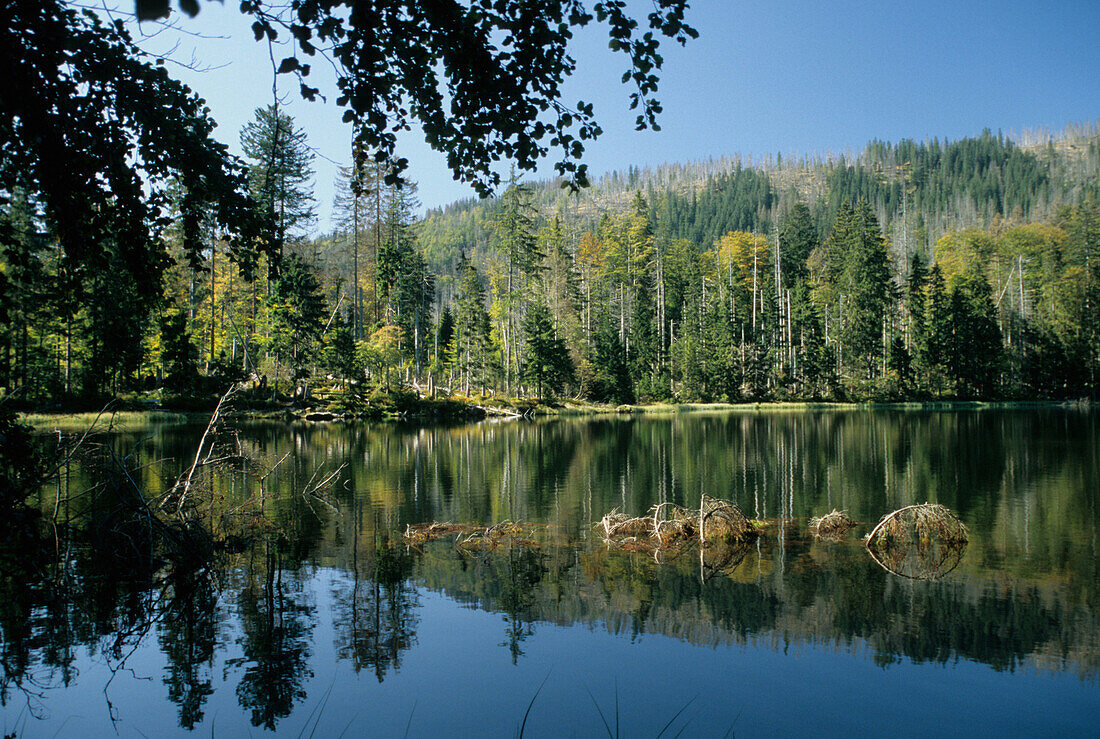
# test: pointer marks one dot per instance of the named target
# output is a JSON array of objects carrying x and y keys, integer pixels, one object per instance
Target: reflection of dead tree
[
  {"x": 921, "y": 542},
  {"x": 722, "y": 557},
  {"x": 314, "y": 489}
]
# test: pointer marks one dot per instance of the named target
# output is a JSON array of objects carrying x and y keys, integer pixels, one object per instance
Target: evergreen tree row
[{"x": 726, "y": 293}]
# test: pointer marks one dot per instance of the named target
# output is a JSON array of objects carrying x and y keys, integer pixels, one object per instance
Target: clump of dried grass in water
[
  {"x": 719, "y": 520},
  {"x": 923, "y": 542},
  {"x": 669, "y": 526},
  {"x": 919, "y": 525},
  {"x": 620, "y": 526},
  {"x": 423, "y": 532},
  {"x": 833, "y": 525}
]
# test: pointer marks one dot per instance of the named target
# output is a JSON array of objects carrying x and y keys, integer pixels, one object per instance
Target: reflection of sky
[{"x": 459, "y": 681}]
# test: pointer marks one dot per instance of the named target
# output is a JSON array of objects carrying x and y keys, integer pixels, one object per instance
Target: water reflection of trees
[
  {"x": 1030, "y": 506},
  {"x": 986, "y": 465},
  {"x": 826, "y": 594},
  {"x": 522, "y": 573},
  {"x": 374, "y": 602},
  {"x": 276, "y": 629},
  {"x": 513, "y": 580},
  {"x": 98, "y": 570},
  {"x": 104, "y": 589},
  {"x": 188, "y": 637}
]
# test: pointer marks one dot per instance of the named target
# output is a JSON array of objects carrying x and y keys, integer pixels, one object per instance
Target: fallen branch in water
[{"x": 185, "y": 482}]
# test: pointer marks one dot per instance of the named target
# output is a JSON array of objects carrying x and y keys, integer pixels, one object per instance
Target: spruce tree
[
  {"x": 562, "y": 283},
  {"x": 813, "y": 365},
  {"x": 397, "y": 247},
  {"x": 297, "y": 318},
  {"x": 178, "y": 356},
  {"x": 351, "y": 214},
  {"x": 414, "y": 298},
  {"x": 938, "y": 331},
  {"x": 547, "y": 365},
  {"x": 975, "y": 356},
  {"x": 518, "y": 247},
  {"x": 865, "y": 283},
  {"x": 443, "y": 357},
  {"x": 643, "y": 337},
  {"x": 472, "y": 340},
  {"x": 340, "y": 352},
  {"x": 797, "y": 238},
  {"x": 916, "y": 309},
  {"x": 608, "y": 374},
  {"x": 280, "y": 172}
]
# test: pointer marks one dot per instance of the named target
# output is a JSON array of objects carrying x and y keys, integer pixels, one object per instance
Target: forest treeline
[{"x": 967, "y": 269}]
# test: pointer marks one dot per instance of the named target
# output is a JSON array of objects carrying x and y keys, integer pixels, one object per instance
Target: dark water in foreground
[{"x": 322, "y": 624}]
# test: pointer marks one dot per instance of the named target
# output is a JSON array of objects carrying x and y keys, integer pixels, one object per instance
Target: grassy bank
[{"x": 118, "y": 421}]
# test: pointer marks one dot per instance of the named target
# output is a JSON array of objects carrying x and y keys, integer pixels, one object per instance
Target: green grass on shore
[{"x": 118, "y": 420}]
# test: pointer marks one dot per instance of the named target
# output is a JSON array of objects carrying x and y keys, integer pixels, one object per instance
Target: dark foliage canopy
[
  {"x": 96, "y": 136},
  {"x": 482, "y": 79}
]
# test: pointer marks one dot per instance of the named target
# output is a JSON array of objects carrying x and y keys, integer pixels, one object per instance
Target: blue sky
[{"x": 795, "y": 78}]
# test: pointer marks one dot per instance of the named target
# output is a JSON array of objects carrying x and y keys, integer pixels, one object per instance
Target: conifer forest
[{"x": 939, "y": 270}]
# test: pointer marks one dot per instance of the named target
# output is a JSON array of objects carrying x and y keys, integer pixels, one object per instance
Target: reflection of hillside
[{"x": 826, "y": 594}]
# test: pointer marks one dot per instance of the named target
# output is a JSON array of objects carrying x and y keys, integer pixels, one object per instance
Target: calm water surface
[{"x": 324, "y": 623}]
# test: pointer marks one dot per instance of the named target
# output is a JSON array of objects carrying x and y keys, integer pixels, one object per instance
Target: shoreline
[{"x": 453, "y": 410}]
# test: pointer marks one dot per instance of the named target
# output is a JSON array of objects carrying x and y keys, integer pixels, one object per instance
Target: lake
[{"x": 313, "y": 617}]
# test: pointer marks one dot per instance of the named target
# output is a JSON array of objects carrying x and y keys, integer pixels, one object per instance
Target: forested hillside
[
  {"x": 964, "y": 269},
  {"x": 918, "y": 191}
]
